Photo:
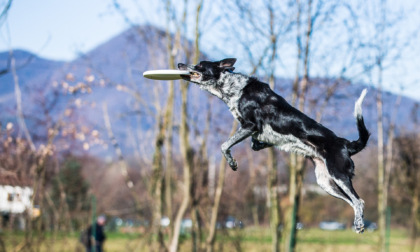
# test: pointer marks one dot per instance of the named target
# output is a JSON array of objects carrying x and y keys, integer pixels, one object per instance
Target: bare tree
[
  {"x": 42, "y": 154},
  {"x": 157, "y": 188},
  {"x": 385, "y": 46},
  {"x": 317, "y": 19},
  {"x": 217, "y": 197},
  {"x": 279, "y": 22},
  {"x": 272, "y": 184},
  {"x": 187, "y": 154},
  {"x": 296, "y": 165},
  {"x": 408, "y": 175},
  {"x": 4, "y": 9},
  {"x": 196, "y": 225},
  {"x": 44, "y": 142}
]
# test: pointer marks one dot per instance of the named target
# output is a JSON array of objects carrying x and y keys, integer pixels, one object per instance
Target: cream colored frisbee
[{"x": 169, "y": 74}]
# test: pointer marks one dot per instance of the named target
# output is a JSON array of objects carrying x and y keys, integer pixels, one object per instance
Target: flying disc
[{"x": 169, "y": 74}]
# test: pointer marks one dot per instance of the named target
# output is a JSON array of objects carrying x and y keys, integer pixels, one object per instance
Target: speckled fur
[{"x": 270, "y": 121}]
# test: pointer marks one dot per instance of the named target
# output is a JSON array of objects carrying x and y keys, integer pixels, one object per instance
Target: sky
[
  {"x": 59, "y": 30},
  {"x": 62, "y": 30}
]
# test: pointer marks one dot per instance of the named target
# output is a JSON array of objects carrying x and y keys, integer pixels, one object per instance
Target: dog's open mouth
[{"x": 194, "y": 75}]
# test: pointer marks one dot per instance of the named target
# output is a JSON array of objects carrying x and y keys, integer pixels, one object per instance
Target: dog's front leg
[{"x": 239, "y": 135}]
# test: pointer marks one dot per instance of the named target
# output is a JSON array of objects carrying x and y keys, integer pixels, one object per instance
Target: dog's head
[{"x": 207, "y": 72}]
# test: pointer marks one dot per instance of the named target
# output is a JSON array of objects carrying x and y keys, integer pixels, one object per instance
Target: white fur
[
  {"x": 231, "y": 89},
  {"x": 232, "y": 85},
  {"x": 358, "y": 104},
  {"x": 323, "y": 177},
  {"x": 212, "y": 90},
  {"x": 287, "y": 143},
  {"x": 324, "y": 180},
  {"x": 357, "y": 204}
]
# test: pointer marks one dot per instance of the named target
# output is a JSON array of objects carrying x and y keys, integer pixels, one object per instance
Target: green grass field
[{"x": 248, "y": 239}]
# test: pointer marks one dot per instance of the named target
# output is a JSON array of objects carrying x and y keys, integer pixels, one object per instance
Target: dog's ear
[{"x": 227, "y": 64}]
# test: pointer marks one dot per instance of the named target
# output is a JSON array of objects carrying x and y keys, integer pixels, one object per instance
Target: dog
[{"x": 270, "y": 121}]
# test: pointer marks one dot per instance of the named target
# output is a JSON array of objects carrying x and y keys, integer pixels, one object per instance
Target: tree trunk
[
  {"x": 157, "y": 188},
  {"x": 187, "y": 155},
  {"x": 41, "y": 155},
  {"x": 273, "y": 205},
  {"x": 415, "y": 219},
  {"x": 297, "y": 163},
  {"x": 196, "y": 226},
  {"x": 251, "y": 195},
  {"x": 273, "y": 196},
  {"x": 381, "y": 167},
  {"x": 169, "y": 134},
  {"x": 291, "y": 211},
  {"x": 19, "y": 109},
  {"x": 217, "y": 196},
  {"x": 199, "y": 187}
]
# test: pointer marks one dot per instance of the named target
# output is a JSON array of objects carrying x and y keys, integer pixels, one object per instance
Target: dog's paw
[
  {"x": 359, "y": 226},
  {"x": 233, "y": 164},
  {"x": 360, "y": 229}
]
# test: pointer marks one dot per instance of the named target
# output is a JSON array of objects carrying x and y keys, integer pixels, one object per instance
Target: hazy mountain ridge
[
  {"x": 30, "y": 69},
  {"x": 113, "y": 73}
]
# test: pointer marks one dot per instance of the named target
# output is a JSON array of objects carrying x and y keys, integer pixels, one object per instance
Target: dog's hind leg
[
  {"x": 326, "y": 181},
  {"x": 339, "y": 190},
  {"x": 358, "y": 204},
  {"x": 243, "y": 132}
]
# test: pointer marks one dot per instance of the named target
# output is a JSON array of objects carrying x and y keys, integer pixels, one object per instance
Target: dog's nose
[{"x": 182, "y": 66}]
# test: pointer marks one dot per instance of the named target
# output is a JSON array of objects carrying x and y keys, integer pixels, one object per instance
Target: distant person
[{"x": 98, "y": 235}]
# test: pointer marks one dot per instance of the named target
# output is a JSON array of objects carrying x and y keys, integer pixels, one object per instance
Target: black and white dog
[{"x": 271, "y": 121}]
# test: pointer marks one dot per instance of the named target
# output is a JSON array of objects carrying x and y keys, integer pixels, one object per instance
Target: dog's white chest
[
  {"x": 287, "y": 143},
  {"x": 233, "y": 107},
  {"x": 232, "y": 85}
]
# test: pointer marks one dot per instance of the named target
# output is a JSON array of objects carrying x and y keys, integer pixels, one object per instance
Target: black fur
[{"x": 271, "y": 121}]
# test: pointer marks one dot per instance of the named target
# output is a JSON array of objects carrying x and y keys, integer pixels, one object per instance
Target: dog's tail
[{"x": 358, "y": 145}]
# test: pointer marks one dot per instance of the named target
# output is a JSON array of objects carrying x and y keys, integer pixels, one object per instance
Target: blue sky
[{"x": 60, "y": 30}]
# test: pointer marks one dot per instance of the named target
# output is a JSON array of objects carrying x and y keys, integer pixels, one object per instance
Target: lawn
[{"x": 248, "y": 239}]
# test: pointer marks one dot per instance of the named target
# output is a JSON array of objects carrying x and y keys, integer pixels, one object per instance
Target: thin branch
[{"x": 18, "y": 95}]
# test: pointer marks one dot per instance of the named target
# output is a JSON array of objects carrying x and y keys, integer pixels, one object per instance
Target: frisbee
[{"x": 169, "y": 74}]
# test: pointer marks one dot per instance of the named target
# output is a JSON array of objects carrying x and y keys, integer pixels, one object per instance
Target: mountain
[
  {"x": 76, "y": 91},
  {"x": 30, "y": 69}
]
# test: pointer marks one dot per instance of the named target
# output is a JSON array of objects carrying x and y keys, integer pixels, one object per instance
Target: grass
[{"x": 249, "y": 239}]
